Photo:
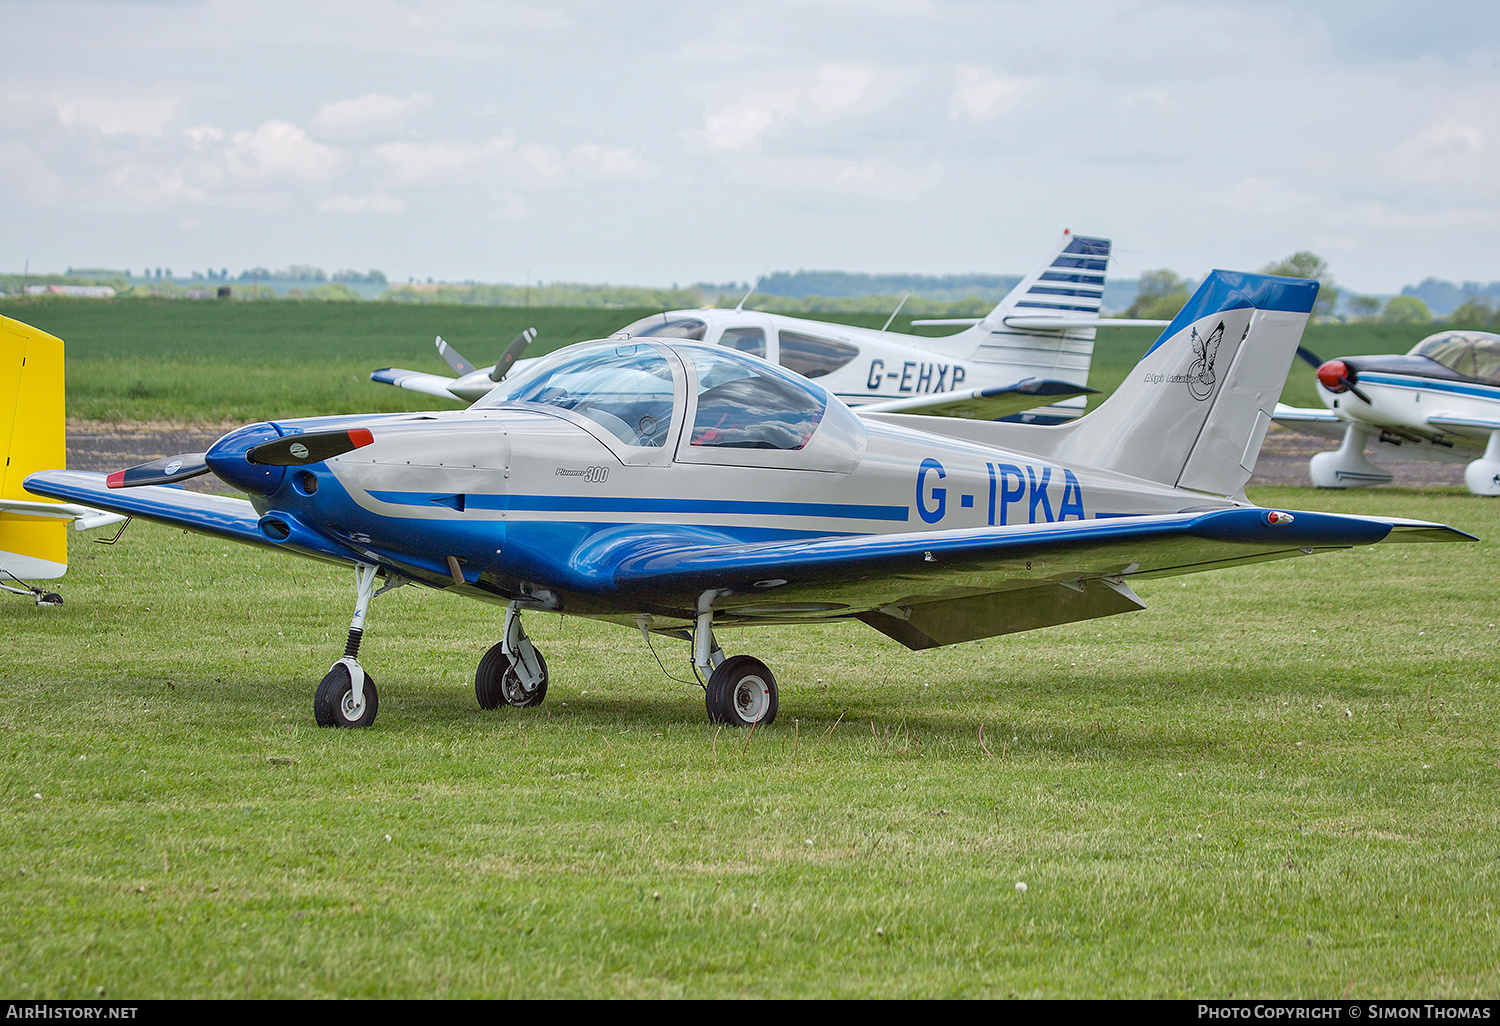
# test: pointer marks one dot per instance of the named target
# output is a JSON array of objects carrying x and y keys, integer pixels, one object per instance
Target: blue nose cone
[{"x": 226, "y": 458}]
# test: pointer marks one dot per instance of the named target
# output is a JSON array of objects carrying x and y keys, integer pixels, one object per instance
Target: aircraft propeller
[
  {"x": 303, "y": 450},
  {"x": 167, "y": 470},
  {"x": 512, "y": 354},
  {"x": 1336, "y": 376}
]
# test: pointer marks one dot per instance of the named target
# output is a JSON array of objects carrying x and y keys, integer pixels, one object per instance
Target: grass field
[
  {"x": 220, "y": 363},
  {"x": 1277, "y": 780}
]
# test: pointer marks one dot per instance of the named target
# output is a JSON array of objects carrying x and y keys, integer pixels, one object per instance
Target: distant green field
[
  {"x": 1277, "y": 780},
  {"x": 216, "y": 362}
]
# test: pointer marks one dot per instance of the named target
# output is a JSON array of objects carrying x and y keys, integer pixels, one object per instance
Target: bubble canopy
[{"x": 631, "y": 390}]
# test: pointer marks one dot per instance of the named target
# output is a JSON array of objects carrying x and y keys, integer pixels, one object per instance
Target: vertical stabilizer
[
  {"x": 31, "y": 437},
  {"x": 1070, "y": 285},
  {"x": 1194, "y": 411}
]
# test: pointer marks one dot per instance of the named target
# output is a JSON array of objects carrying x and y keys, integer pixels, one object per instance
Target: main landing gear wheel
[
  {"x": 741, "y": 692},
  {"x": 496, "y": 681},
  {"x": 334, "y": 704}
]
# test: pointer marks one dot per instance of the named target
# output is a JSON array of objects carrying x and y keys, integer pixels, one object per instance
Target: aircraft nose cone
[
  {"x": 226, "y": 458},
  {"x": 1335, "y": 376}
]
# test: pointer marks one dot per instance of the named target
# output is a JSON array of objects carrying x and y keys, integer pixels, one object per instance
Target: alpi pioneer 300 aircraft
[
  {"x": 1032, "y": 351},
  {"x": 680, "y": 488},
  {"x": 1439, "y": 403}
]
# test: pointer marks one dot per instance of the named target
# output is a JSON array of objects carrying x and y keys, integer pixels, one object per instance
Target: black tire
[
  {"x": 330, "y": 706},
  {"x": 741, "y": 692},
  {"x": 495, "y": 682}
]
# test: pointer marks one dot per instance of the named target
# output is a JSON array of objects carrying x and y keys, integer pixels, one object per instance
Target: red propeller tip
[
  {"x": 361, "y": 437},
  {"x": 116, "y": 480}
]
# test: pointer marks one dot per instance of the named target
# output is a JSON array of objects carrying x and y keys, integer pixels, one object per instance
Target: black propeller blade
[
  {"x": 512, "y": 354},
  {"x": 302, "y": 450},
  {"x": 167, "y": 470},
  {"x": 1310, "y": 356},
  {"x": 453, "y": 357}
]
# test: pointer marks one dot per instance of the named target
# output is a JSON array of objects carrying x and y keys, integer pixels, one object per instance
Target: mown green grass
[
  {"x": 1277, "y": 780},
  {"x": 215, "y": 363}
]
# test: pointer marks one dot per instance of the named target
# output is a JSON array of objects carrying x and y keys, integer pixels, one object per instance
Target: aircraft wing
[
  {"x": 1454, "y": 420},
  {"x": 983, "y": 403},
  {"x": 1310, "y": 422},
  {"x": 219, "y": 515},
  {"x": 416, "y": 381},
  {"x": 926, "y": 590},
  {"x": 1034, "y": 321}
]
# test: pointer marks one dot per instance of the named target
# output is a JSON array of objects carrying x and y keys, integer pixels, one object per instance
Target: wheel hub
[
  {"x": 351, "y": 707},
  {"x": 751, "y": 698}
]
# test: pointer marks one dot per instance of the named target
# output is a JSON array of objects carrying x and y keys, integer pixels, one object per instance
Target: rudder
[{"x": 32, "y": 438}]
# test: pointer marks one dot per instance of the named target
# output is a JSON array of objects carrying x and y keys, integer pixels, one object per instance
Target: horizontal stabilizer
[{"x": 983, "y": 403}]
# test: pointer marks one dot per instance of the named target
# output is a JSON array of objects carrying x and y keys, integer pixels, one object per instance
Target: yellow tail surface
[{"x": 31, "y": 437}]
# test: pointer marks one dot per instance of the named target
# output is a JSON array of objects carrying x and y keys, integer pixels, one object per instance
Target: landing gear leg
[
  {"x": 346, "y": 696},
  {"x": 1346, "y": 466},
  {"x": 513, "y": 671},
  {"x": 1483, "y": 475},
  {"x": 741, "y": 690}
]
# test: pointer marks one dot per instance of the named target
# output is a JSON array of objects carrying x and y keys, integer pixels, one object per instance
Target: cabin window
[
  {"x": 813, "y": 357},
  {"x": 742, "y": 406},
  {"x": 745, "y": 340}
]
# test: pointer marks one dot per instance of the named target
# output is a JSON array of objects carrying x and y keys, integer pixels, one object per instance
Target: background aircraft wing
[
  {"x": 983, "y": 403},
  {"x": 83, "y": 517},
  {"x": 416, "y": 381},
  {"x": 926, "y": 590},
  {"x": 1458, "y": 420},
  {"x": 1309, "y": 421}
]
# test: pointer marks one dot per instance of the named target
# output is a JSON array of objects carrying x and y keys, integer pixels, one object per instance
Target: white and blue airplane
[
  {"x": 680, "y": 488},
  {"x": 1031, "y": 353},
  {"x": 1439, "y": 403}
]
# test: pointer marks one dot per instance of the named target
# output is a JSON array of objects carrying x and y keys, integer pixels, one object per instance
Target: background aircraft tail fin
[
  {"x": 31, "y": 438},
  {"x": 1071, "y": 285},
  {"x": 1194, "y": 411}
]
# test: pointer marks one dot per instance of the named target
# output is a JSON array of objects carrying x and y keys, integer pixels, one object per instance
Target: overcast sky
[{"x": 660, "y": 142}]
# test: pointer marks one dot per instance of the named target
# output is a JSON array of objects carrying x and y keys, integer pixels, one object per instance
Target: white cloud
[
  {"x": 876, "y": 179},
  {"x": 544, "y": 163},
  {"x": 113, "y": 115},
  {"x": 376, "y": 202},
  {"x": 982, "y": 94},
  {"x": 368, "y": 115},
  {"x": 1260, "y": 196},
  {"x": 202, "y": 136},
  {"x": 839, "y": 86},
  {"x": 594, "y": 161},
  {"x": 438, "y": 163},
  {"x": 741, "y": 124},
  {"x": 279, "y": 148}
]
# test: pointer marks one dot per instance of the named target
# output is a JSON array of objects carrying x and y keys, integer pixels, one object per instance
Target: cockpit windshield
[
  {"x": 666, "y": 326},
  {"x": 1472, "y": 354},
  {"x": 626, "y": 389}
]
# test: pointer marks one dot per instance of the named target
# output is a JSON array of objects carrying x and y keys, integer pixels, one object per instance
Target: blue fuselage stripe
[
  {"x": 590, "y": 504},
  {"x": 1432, "y": 385}
]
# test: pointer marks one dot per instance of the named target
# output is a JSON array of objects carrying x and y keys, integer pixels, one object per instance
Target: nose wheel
[{"x": 346, "y": 695}]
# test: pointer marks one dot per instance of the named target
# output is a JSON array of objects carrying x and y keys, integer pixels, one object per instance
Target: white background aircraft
[
  {"x": 1041, "y": 334},
  {"x": 1438, "y": 403},
  {"x": 677, "y": 488}
]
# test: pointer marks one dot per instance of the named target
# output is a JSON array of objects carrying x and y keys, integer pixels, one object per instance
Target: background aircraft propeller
[
  {"x": 167, "y": 470},
  {"x": 512, "y": 354},
  {"x": 453, "y": 357}
]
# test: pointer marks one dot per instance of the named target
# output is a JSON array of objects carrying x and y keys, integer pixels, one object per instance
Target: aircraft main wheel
[
  {"x": 334, "y": 704},
  {"x": 496, "y": 681},
  {"x": 741, "y": 692}
]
